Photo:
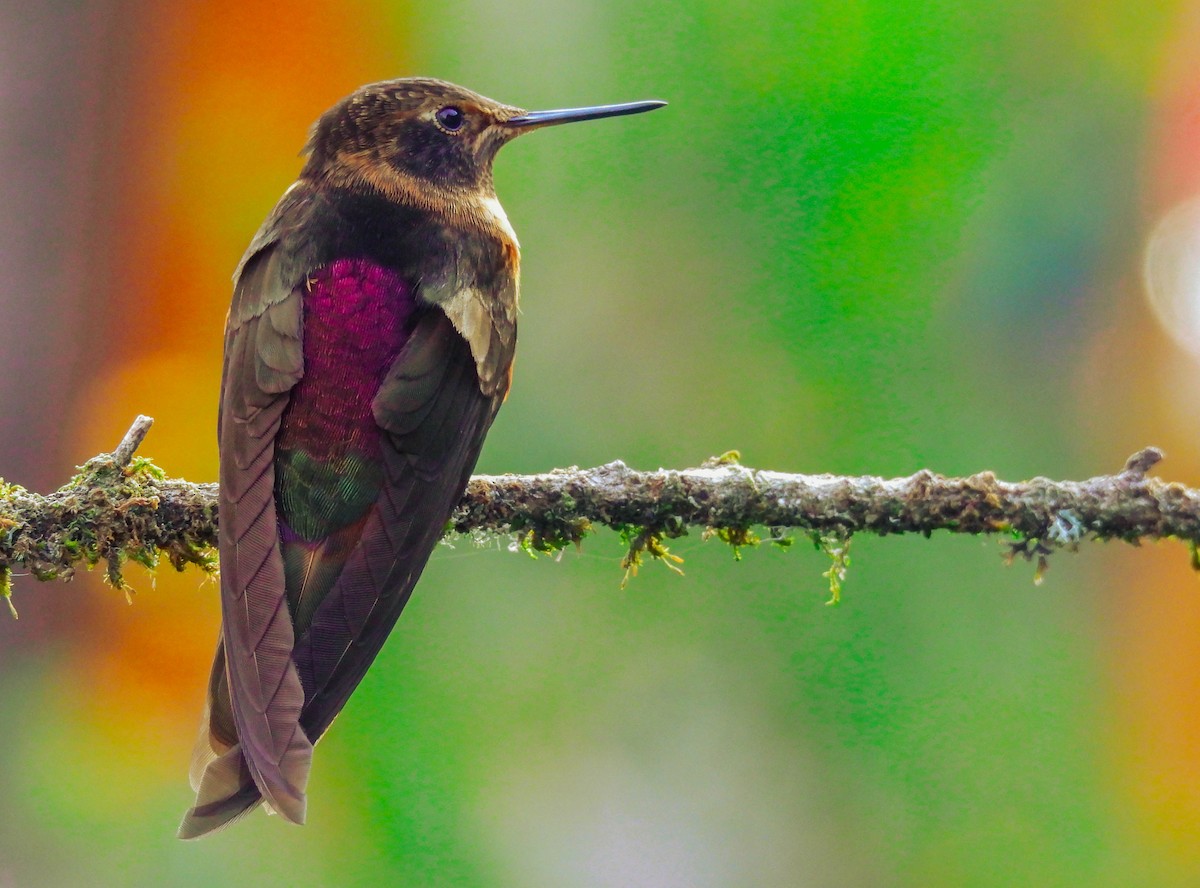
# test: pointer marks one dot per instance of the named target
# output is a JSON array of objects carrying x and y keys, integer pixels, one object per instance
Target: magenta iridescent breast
[{"x": 357, "y": 317}]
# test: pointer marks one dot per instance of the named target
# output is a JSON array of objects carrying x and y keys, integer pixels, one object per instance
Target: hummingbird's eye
[{"x": 450, "y": 118}]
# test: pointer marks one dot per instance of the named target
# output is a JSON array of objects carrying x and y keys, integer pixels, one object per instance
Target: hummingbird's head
[{"x": 426, "y": 133}]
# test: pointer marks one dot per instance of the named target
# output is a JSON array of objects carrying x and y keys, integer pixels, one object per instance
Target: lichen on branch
[
  {"x": 121, "y": 508},
  {"x": 117, "y": 508}
]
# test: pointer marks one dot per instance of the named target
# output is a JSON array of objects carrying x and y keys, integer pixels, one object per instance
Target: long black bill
[{"x": 570, "y": 115}]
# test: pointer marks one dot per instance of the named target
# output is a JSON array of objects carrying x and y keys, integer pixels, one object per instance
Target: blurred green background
[{"x": 865, "y": 237}]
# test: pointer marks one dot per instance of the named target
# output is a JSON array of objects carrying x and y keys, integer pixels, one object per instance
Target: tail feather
[
  {"x": 226, "y": 788},
  {"x": 227, "y": 792}
]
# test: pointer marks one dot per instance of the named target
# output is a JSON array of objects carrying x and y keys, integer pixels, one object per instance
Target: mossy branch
[
  {"x": 117, "y": 508},
  {"x": 121, "y": 508}
]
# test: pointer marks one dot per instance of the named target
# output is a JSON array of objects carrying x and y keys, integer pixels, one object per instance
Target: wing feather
[
  {"x": 426, "y": 465},
  {"x": 255, "y": 687}
]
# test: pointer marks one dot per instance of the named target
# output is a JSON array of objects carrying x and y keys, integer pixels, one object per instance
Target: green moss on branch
[{"x": 121, "y": 508}]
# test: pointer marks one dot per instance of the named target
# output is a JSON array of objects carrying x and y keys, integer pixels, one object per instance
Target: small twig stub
[{"x": 132, "y": 440}]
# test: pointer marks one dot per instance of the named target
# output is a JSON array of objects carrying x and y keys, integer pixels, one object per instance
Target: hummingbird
[{"x": 368, "y": 347}]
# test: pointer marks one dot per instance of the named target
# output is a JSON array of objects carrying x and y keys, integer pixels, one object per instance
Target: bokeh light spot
[{"x": 1172, "y": 274}]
